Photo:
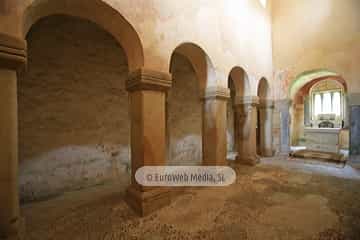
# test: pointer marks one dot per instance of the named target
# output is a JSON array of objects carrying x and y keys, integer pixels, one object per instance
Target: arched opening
[
  {"x": 239, "y": 86},
  {"x": 96, "y": 11},
  {"x": 264, "y": 123},
  {"x": 192, "y": 72},
  {"x": 320, "y": 118},
  {"x": 73, "y": 109}
]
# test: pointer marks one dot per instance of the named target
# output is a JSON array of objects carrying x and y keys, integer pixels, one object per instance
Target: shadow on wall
[{"x": 73, "y": 109}]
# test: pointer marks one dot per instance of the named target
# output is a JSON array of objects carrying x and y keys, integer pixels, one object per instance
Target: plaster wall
[
  {"x": 73, "y": 109},
  {"x": 309, "y": 35}
]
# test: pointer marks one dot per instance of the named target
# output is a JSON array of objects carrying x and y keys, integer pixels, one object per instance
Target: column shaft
[
  {"x": 9, "y": 207},
  {"x": 12, "y": 58},
  {"x": 148, "y": 138},
  {"x": 354, "y": 108},
  {"x": 265, "y": 125},
  {"x": 284, "y": 106},
  {"x": 246, "y": 116},
  {"x": 214, "y": 126}
]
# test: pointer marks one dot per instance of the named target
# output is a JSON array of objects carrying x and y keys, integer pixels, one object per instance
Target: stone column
[
  {"x": 307, "y": 111},
  {"x": 214, "y": 126},
  {"x": 346, "y": 110},
  {"x": 12, "y": 58},
  {"x": 354, "y": 106},
  {"x": 266, "y": 108},
  {"x": 245, "y": 111},
  {"x": 147, "y": 94},
  {"x": 284, "y": 110}
]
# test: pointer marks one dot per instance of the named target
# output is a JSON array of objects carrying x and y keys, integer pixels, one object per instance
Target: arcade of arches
[{"x": 92, "y": 90}]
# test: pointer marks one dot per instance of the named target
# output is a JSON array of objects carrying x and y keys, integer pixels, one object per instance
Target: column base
[
  {"x": 252, "y": 161},
  {"x": 16, "y": 230},
  {"x": 148, "y": 201}
]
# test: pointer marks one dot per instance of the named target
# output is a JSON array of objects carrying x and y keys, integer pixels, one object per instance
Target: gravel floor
[{"x": 273, "y": 200}]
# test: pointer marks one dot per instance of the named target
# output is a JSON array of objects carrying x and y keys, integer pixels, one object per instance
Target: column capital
[
  {"x": 12, "y": 52},
  {"x": 283, "y": 104},
  {"x": 266, "y": 104},
  {"x": 353, "y": 99},
  {"x": 146, "y": 79},
  {"x": 246, "y": 100},
  {"x": 216, "y": 92}
]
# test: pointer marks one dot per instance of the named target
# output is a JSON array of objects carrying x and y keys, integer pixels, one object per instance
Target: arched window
[{"x": 327, "y": 103}]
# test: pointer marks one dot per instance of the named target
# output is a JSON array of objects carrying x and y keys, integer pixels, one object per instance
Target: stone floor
[{"x": 275, "y": 200}]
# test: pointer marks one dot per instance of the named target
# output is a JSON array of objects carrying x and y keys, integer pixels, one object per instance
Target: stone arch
[
  {"x": 308, "y": 76},
  {"x": 240, "y": 81},
  {"x": 301, "y": 110},
  {"x": 96, "y": 11},
  {"x": 239, "y": 86},
  {"x": 201, "y": 63},
  {"x": 73, "y": 108}
]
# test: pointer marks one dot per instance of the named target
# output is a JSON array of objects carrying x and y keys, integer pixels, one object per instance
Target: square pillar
[
  {"x": 266, "y": 108},
  {"x": 147, "y": 95},
  {"x": 354, "y": 106},
  {"x": 283, "y": 107},
  {"x": 214, "y": 126},
  {"x": 246, "y": 120},
  {"x": 12, "y": 58}
]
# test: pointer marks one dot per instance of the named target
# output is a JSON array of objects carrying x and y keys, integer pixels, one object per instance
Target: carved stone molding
[
  {"x": 145, "y": 79},
  {"x": 247, "y": 100},
  {"x": 12, "y": 52},
  {"x": 216, "y": 92},
  {"x": 266, "y": 104}
]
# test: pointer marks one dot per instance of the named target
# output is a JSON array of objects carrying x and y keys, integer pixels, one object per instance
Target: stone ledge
[
  {"x": 145, "y": 79},
  {"x": 266, "y": 103},
  {"x": 216, "y": 92},
  {"x": 12, "y": 52},
  {"x": 247, "y": 100}
]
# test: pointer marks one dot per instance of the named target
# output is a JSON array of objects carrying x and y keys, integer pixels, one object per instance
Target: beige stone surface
[
  {"x": 162, "y": 26},
  {"x": 184, "y": 114},
  {"x": 246, "y": 115},
  {"x": 310, "y": 35},
  {"x": 9, "y": 197}
]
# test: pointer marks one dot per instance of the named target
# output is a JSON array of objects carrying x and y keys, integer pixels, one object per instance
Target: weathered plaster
[
  {"x": 184, "y": 114},
  {"x": 73, "y": 109}
]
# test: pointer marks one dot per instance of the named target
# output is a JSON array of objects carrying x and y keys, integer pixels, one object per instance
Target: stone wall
[
  {"x": 184, "y": 114},
  {"x": 73, "y": 109}
]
